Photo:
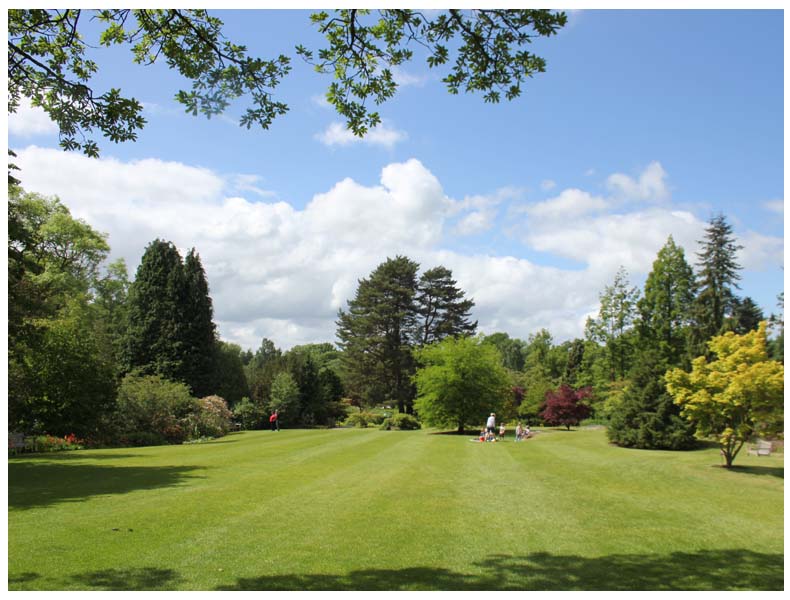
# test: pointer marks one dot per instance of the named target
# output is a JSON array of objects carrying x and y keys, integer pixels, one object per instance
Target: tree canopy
[
  {"x": 51, "y": 63},
  {"x": 735, "y": 396},
  {"x": 460, "y": 382}
]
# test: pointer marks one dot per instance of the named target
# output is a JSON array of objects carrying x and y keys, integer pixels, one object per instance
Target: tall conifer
[
  {"x": 443, "y": 311},
  {"x": 716, "y": 278}
]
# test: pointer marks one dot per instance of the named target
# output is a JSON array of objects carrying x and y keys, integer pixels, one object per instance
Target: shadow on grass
[
  {"x": 40, "y": 484},
  {"x": 756, "y": 470},
  {"x": 143, "y": 579},
  {"x": 703, "y": 570}
]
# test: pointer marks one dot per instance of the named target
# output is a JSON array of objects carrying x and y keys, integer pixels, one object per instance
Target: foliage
[
  {"x": 285, "y": 396},
  {"x": 460, "y": 381},
  {"x": 665, "y": 310},
  {"x": 211, "y": 418},
  {"x": 647, "y": 417},
  {"x": 362, "y": 419},
  {"x": 746, "y": 316},
  {"x": 613, "y": 325},
  {"x": 565, "y": 406},
  {"x": 60, "y": 378},
  {"x": 197, "y": 331},
  {"x": 151, "y": 404},
  {"x": 776, "y": 346},
  {"x": 231, "y": 381},
  {"x": 392, "y": 313},
  {"x": 248, "y": 414},
  {"x": 717, "y": 277},
  {"x": 51, "y": 64},
  {"x": 402, "y": 421},
  {"x": 443, "y": 311},
  {"x": 170, "y": 331},
  {"x": 490, "y": 56},
  {"x": 511, "y": 349},
  {"x": 375, "y": 335},
  {"x": 51, "y": 443},
  {"x": 735, "y": 396},
  {"x": 72, "y": 381},
  {"x": 48, "y": 64}
]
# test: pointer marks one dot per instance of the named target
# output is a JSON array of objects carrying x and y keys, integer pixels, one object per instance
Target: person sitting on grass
[
  {"x": 527, "y": 432},
  {"x": 502, "y": 431}
]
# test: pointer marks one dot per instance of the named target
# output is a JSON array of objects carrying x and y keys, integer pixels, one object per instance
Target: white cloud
[
  {"x": 320, "y": 100},
  {"x": 548, "y": 184},
  {"x": 589, "y": 172},
  {"x": 30, "y": 121},
  {"x": 649, "y": 186},
  {"x": 776, "y": 206},
  {"x": 382, "y": 135},
  {"x": 280, "y": 272},
  {"x": 570, "y": 204},
  {"x": 403, "y": 79},
  {"x": 760, "y": 251},
  {"x": 606, "y": 241}
]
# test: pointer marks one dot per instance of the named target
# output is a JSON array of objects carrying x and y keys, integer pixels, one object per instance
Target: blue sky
[{"x": 645, "y": 124}]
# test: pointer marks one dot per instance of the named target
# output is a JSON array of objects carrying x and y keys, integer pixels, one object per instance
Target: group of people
[{"x": 488, "y": 433}]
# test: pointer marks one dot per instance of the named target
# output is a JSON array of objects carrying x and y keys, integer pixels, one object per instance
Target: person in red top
[{"x": 274, "y": 421}]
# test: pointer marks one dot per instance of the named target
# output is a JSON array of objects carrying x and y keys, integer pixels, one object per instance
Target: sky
[{"x": 646, "y": 124}]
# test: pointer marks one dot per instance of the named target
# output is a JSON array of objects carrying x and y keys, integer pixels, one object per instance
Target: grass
[{"x": 378, "y": 510}]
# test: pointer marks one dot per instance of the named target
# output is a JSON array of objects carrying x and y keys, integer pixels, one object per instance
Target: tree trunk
[{"x": 461, "y": 428}]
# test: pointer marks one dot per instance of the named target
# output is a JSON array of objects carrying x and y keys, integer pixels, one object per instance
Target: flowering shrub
[
  {"x": 50, "y": 443},
  {"x": 212, "y": 418}
]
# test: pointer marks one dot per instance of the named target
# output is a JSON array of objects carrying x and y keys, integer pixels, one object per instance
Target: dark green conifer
[{"x": 443, "y": 311}]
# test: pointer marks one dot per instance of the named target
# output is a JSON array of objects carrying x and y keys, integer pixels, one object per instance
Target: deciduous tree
[
  {"x": 565, "y": 406},
  {"x": 48, "y": 62},
  {"x": 460, "y": 382},
  {"x": 735, "y": 396}
]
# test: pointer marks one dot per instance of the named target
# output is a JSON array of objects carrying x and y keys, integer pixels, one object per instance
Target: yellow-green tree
[{"x": 734, "y": 396}]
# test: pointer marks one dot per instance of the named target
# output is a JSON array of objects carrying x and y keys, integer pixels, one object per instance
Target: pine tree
[
  {"x": 665, "y": 310},
  {"x": 199, "y": 334},
  {"x": 376, "y": 335},
  {"x": 443, "y": 311},
  {"x": 717, "y": 276},
  {"x": 746, "y": 316}
]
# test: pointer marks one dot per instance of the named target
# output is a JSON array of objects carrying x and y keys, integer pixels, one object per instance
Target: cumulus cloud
[
  {"x": 571, "y": 203},
  {"x": 280, "y": 272},
  {"x": 29, "y": 121},
  {"x": 382, "y": 135},
  {"x": 650, "y": 185},
  {"x": 760, "y": 251}
]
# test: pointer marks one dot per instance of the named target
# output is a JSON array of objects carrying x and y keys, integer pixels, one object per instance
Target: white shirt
[{"x": 491, "y": 421}]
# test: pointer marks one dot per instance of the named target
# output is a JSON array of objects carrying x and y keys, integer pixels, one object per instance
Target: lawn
[{"x": 379, "y": 510}]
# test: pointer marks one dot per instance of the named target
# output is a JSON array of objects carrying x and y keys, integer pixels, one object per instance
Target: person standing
[
  {"x": 274, "y": 421},
  {"x": 491, "y": 424}
]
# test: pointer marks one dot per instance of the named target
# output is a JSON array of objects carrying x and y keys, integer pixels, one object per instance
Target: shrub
[
  {"x": 211, "y": 418},
  {"x": 247, "y": 413},
  {"x": 357, "y": 419},
  {"x": 149, "y": 403},
  {"x": 401, "y": 421},
  {"x": 50, "y": 443},
  {"x": 143, "y": 438}
]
